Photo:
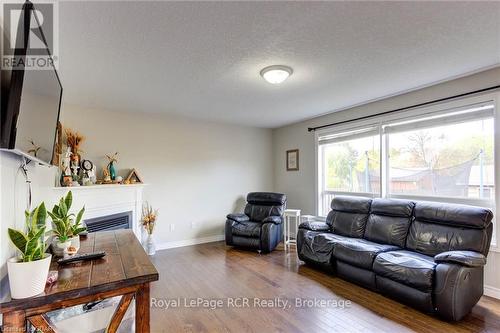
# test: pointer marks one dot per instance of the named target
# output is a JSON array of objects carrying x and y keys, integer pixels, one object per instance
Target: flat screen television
[{"x": 30, "y": 118}]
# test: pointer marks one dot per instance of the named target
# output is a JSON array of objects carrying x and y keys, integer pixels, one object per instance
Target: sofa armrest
[
  {"x": 464, "y": 258},
  {"x": 238, "y": 217},
  {"x": 273, "y": 219},
  {"x": 314, "y": 226}
]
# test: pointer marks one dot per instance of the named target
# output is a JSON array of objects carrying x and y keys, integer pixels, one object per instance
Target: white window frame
[{"x": 434, "y": 109}]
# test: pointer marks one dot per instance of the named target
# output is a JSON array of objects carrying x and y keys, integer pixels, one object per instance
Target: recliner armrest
[
  {"x": 273, "y": 219},
  {"x": 465, "y": 258},
  {"x": 238, "y": 217},
  {"x": 314, "y": 226}
]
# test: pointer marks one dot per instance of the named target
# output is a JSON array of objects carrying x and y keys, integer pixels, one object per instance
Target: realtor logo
[{"x": 30, "y": 46}]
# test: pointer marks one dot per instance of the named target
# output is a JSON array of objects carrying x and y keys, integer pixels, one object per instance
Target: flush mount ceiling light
[{"x": 276, "y": 74}]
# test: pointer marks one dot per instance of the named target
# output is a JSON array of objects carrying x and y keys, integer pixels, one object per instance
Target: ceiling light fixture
[{"x": 276, "y": 74}]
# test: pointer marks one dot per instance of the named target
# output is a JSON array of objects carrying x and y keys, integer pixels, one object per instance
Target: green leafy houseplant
[
  {"x": 28, "y": 271},
  {"x": 32, "y": 243},
  {"x": 64, "y": 224}
]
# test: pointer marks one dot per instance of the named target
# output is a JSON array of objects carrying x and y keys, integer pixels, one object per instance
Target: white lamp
[{"x": 276, "y": 74}]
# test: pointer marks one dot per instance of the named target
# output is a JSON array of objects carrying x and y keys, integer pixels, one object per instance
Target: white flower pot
[
  {"x": 58, "y": 247},
  {"x": 27, "y": 279},
  {"x": 75, "y": 242}
]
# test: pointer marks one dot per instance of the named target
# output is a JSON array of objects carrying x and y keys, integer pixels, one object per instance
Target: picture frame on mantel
[{"x": 292, "y": 160}]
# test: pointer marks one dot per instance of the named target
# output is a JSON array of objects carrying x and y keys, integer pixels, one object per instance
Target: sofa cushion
[
  {"x": 314, "y": 226},
  {"x": 318, "y": 246},
  {"x": 359, "y": 252},
  {"x": 431, "y": 239},
  {"x": 389, "y": 221},
  {"x": 247, "y": 229},
  {"x": 315, "y": 246},
  {"x": 238, "y": 217},
  {"x": 351, "y": 204},
  {"x": 266, "y": 198},
  {"x": 453, "y": 214},
  {"x": 323, "y": 244},
  {"x": 406, "y": 267},
  {"x": 349, "y": 215},
  {"x": 304, "y": 245},
  {"x": 258, "y": 213}
]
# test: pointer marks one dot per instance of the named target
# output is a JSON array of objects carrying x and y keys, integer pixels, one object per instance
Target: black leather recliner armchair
[
  {"x": 260, "y": 226},
  {"x": 428, "y": 255}
]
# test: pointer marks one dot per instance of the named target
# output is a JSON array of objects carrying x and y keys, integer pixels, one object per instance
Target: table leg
[
  {"x": 286, "y": 232},
  {"x": 14, "y": 322},
  {"x": 142, "y": 308}
]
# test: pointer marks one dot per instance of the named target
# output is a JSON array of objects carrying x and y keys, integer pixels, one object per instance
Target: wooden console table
[{"x": 125, "y": 270}]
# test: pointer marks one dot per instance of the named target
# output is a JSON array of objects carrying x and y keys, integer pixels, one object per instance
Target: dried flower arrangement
[
  {"x": 149, "y": 217},
  {"x": 74, "y": 140}
]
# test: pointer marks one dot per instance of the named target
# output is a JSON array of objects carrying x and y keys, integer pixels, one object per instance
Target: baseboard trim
[
  {"x": 492, "y": 292},
  {"x": 189, "y": 242}
]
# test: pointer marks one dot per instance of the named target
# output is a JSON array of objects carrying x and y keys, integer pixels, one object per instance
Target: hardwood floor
[{"x": 216, "y": 272}]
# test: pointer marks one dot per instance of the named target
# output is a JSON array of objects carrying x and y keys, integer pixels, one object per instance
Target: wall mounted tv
[{"x": 30, "y": 117}]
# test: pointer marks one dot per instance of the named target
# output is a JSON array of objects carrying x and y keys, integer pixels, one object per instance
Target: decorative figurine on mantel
[
  {"x": 106, "y": 177},
  {"x": 87, "y": 167},
  {"x": 111, "y": 165},
  {"x": 75, "y": 169},
  {"x": 66, "y": 176}
]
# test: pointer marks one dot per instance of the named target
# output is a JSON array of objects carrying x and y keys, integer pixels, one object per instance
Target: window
[
  {"x": 442, "y": 153},
  {"x": 350, "y": 164},
  {"x": 453, "y": 160}
]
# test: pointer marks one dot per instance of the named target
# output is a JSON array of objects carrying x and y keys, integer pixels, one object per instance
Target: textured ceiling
[{"x": 202, "y": 59}]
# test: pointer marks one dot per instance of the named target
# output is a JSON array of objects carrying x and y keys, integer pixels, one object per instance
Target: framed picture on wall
[{"x": 292, "y": 160}]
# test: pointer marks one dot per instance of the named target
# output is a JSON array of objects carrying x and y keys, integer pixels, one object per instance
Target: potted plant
[
  {"x": 148, "y": 222},
  {"x": 65, "y": 228},
  {"x": 28, "y": 271}
]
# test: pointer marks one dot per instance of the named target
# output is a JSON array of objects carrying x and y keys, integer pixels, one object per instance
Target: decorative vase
[
  {"x": 27, "y": 279},
  {"x": 112, "y": 170},
  {"x": 150, "y": 245}
]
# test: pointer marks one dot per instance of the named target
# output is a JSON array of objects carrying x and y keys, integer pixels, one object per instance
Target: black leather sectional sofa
[{"x": 428, "y": 255}]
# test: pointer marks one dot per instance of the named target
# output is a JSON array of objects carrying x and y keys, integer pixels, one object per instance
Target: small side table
[{"x": 288, "y": 215}]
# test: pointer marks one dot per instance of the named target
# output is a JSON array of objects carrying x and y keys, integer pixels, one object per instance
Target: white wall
[
  {"x": 299, "y": 185},
  {"x": 197, "y": 171},
  {"x": 13, "y": 198}
]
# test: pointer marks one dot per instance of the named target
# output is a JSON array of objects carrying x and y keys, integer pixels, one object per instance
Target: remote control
[{"x": 79, "y": 257}]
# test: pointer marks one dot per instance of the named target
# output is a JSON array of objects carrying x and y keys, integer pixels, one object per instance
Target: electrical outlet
[
  {"x": 193, "y": 225},
  {"x": 172, "y": 227}
]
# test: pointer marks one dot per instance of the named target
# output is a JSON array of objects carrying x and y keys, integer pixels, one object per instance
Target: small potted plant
[
  {"x": 148, "y": 222},
  {"x": 65, "y": 229},
  {"x": 28, "y": 271}
]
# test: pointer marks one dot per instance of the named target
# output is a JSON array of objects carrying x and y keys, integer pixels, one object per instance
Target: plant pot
[
  {"x": 58, "y": 247},
  {"x": 27, "y": 279},
  {"x": 75, "y": 242}
]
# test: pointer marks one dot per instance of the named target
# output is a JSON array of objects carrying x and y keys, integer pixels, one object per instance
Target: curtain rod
[{"x": 312, "y": 129}]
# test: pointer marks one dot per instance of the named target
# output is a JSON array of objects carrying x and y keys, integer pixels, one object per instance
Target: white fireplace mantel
[{"x": 102, "y": 200}]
